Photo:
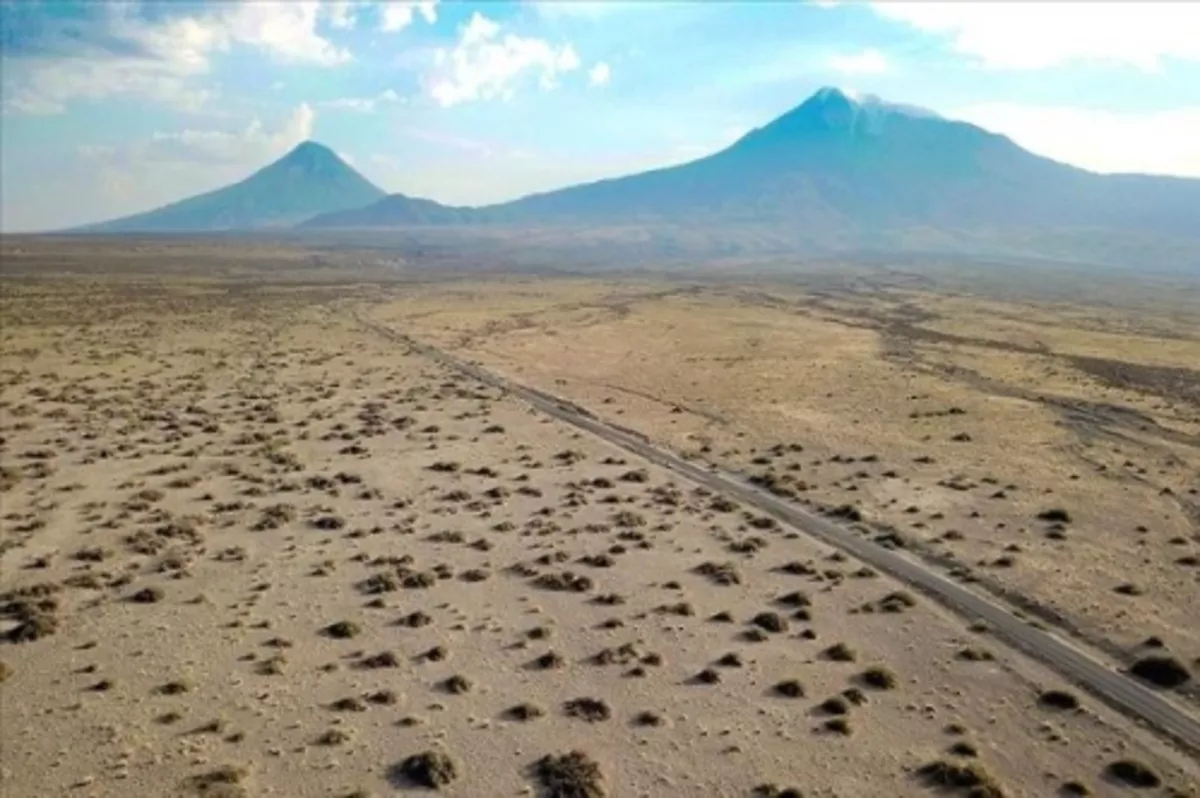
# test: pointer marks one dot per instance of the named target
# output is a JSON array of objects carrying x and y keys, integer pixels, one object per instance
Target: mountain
[
  {"x": 309, "y": 180},
  {"x": 840, "y": 173},
  {"x": 385, "y": 212}
]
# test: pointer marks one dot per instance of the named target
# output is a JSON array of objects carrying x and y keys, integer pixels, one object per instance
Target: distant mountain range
[
  {"x": 309, "y": 180},
  {"x": 835, "y": 174}
]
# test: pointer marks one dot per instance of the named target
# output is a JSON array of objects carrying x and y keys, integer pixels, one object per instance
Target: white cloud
[
  {"x": 385, "y": 160},
  {"x": 95, "y": 151},
  {"x": 586, "y": 9},
  {"x": 396, "y": 16},
  {"x": 600, "y": 74},
  {"x": 251, "y": 145},
  {"x": 393, "y": 15},
  {"x": 1156, "y": 142},
  {"x": 484, "y": 65},
  {"x": 284, "y": 29},
  {"x": 341, "y": 14},
  {"x": 108, "y": 180},
  {"x": 479, "y": 29},
  {"x": 161, "y": 60},
  {"x": 1024, "y": 35},
  {"x": 593, "y": 11},
  {"x": 366, "y": 105},
  {"x": 868, "y": 62},
  {"x": 449, "y": 141}
]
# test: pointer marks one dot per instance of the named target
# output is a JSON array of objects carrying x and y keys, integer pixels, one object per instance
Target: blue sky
[{"x": 110, "y": 108}]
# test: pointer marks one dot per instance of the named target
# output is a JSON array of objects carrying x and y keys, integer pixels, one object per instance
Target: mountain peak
[
  {"x": 308, "y": 146},
  {"x": 311, "y": 153},
  {"x": 829, "y": 105},
  {"x": 310, "y": 179},
  {"x": 827, "y": 95},
  {"x": 839, "y": 105},
  {"x": 831, "y": 111}
]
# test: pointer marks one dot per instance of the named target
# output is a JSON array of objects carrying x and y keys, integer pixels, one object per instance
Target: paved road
[{"x": 1120, "y": 691}]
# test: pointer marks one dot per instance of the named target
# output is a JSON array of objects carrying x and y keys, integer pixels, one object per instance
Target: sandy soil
[
  {"x": 955, "y": 420},
  {"x": 250, "y": 548}
]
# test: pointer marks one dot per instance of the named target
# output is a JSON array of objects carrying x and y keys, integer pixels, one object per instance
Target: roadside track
[{"x": 1119, "y": 690}]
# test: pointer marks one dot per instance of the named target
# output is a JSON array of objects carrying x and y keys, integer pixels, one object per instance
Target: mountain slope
[
  {"x": 384, "y": 212},
  {"x": 309, "y": 180},
  {"x": 839, "y": 173}
]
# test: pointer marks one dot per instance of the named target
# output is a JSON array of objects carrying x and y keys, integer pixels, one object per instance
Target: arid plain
[{"x": 252, "y": 547}]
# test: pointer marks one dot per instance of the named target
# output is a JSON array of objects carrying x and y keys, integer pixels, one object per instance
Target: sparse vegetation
[
  {"x": 879, "y": 677},
  {"x": 846, "y": 512},
  {"x": 1058, "y": 699},
  {"x": 222, "y": 782},
  {"x": 770, "y": 622},
  {"x": 648, "y": 718},
  {"x": 1162, "y": 671},
  {"x": 840, "y": 652},
  {"x": 147, "y": 595},
  {"x": 564, "y": 581},
  {"x": 458, "y": 684},
  {"x": 972, "y": 654},
  {"x": 298, "y": 440},
  {"x": 1133, "y": 773},
  {"x": 571, "y": 775},
  {"x": 333, "y": 737},
  {"x": 589, "y": 709},
  {"x": 342, "y": 630},
  {"x": 176, "y": 687},
  {"x": 384, "y": 659},
  {"x": 789, "y": 688},
  {"x": 837, "y": 726},
  {"x": 431, "y": 769},
  {"x": 524, "y": 712},
  {"x": 724, "y": 573},
  {"x": 775, "y": 791},
  {"x": 32, "y": 625},
  {"x": 970, "y": 779}
]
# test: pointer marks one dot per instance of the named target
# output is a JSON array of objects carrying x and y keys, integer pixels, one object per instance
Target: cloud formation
[
  {"x": 583, "y": 9},
  {"x": 1103, "y": 141},
  {"x": 484, "y": 65},
  {"x": 396, "y": 16},
  {"x": 867, "y": 62},
  {"x": 365, "y": 105},
  {"x": 252, "y": 145},
  {"x": 600, "y": 74},
  {"x": 1018, "y": 35},
  {"x": 95, "y": 181},
  {"x": 117, "y": 51}
]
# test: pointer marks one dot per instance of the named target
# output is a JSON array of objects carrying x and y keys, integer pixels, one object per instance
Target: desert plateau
[{"x": 252, "y": 546}]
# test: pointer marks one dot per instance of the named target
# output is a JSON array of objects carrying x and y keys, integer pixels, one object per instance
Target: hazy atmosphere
[
  {"x": 115, "y": 108},
  {"x": 600, "y": 399}
]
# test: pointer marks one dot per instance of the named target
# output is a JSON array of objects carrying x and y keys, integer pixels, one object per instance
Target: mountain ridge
[
  {"x": 838, "y": 172},
  {"x": 309, "y": 180}
]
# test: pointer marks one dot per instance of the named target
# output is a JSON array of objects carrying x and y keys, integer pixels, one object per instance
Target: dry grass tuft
[
  {"x": 572, "y": 775},
  {"x": 430, "y": 769}
]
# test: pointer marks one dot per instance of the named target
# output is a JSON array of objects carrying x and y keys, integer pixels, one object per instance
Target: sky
[{"x": 110, "y": 108}]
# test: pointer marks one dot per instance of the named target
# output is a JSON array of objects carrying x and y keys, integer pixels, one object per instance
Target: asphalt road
[{"x": 1119, "y": 690}]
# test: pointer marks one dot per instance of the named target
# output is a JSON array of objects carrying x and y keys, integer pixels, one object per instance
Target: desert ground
[
  {"x": 252, "y": 547},
  {"x": 1050, "y": 449}
]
